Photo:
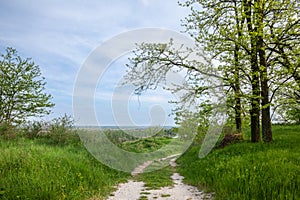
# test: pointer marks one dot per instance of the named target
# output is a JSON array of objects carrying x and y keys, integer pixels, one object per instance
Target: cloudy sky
[{"x": 59, "y": 35}]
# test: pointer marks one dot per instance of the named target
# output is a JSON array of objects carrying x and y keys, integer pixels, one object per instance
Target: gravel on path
[{"x": 134, "y": 190}]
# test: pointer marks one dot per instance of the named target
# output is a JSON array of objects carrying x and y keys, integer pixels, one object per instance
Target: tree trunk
[
  {"x": 265, "y": 104},
  {"x": 238, "y": 116},
  {"x": 255, "y": 101},
  {"x": 237, "y": 85},
  {"x": 237, "y": 93},
  {"x": 266, "y": 115},
  {"x": 255, "y": 98}
]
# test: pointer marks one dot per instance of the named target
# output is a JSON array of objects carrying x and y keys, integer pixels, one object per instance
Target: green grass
[
  {"x": 60, "y": 168},
  {"x": 33, "y": 169},
  {"x": 249, "y": 171},
  {"x": 145, "y": 145},
  {"x": 157, "y": 179},
  {"x": 143, "y": 197},
  {"x": 57, "y": 166}
]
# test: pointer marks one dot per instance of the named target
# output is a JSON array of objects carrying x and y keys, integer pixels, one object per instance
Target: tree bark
[
  {"x": 255, "y": 98},
  {"x": 237, "y": 93},
  {"x": 237, "y": 86},
  {"x": 265, "y": 103},
  {"x": 255, "y": 101}
]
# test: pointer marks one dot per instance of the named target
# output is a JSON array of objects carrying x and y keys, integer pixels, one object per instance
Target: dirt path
[{"x": 133, "y": 190}]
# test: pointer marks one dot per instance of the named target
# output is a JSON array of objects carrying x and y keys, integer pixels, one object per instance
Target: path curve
[{"x": 135, "y": 190}]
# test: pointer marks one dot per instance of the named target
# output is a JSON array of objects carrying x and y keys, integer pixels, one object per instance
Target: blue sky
[{"x": 60, "y": 34}]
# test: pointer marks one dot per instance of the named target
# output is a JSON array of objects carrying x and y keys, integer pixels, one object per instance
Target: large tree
[
  {"x": 257, "y": 44},
  {"x": 262, "y": 35},
  {"x": 21, "y": 89}
]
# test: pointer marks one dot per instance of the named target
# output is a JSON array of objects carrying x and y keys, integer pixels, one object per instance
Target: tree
[
  {"x": 217, "y": 28},
  {"x": 258, "y": 29},
  {"x": 257, "y": 44},
  {"x": 152, "y": 63},
  {"x": 21, "y": 89},
  {"x": 278, "y": 28}
]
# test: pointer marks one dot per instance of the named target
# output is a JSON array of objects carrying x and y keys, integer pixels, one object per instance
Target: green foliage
[
  {"x": 4, "y": 127},
  {"x": 290, "y": 111},
  {"x": 157, "y": 178},
  {"x": 59, "y": 131},
  {"x": 62, "y": 131},
  {"x": 255, "y": 44},
  {"x": 21, "y": 89},
  {"x": 247, "y": 170},
  {"x": 31, "y": 169},
  {"x": 33, "y": 129},
  {"x": 7, "y": 131},
  {"x": 122, "y": 136},
  {"x": 145, "y": 145}
]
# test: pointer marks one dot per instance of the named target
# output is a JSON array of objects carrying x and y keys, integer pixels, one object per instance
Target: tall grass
[
  {"x": 32, "y": 169},
  {"x": 145, "y": 145},
  {"x": 46, "y": 160},
  {"x": 247, "y": 170}
]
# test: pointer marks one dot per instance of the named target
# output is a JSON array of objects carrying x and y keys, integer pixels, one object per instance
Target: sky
[{"x": 59, "y": 35}]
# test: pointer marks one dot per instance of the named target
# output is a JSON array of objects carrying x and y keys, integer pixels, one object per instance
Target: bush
[
  {"x": 58, "y": 131},
  {"x": 7, "y": 131},
  {"x": 3, "y": 128},
  {"x": 34, "y": 129},
  {"x": 62, "y": 131}
]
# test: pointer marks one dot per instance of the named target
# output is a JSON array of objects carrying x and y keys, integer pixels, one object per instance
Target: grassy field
[
  {"x": 58, "y": 166},
  {"x": 249, "y": 171},
  {"x": 61, "y": 168},
  {"x": 37, "y": 169}
]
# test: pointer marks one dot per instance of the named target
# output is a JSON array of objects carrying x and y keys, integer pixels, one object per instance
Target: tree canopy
[
  {"x": 21, "y": 89},
  {"x": 256, "y": 43}
]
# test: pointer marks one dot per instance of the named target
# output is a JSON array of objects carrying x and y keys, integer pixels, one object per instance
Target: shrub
[
  {"x": 7, "y": 131},
  {"x": 62, "y": 130},
  {"x": 34, "y": 129},
  {"x": 58, "y": 131},
  {"x": 3, "y": 128}
]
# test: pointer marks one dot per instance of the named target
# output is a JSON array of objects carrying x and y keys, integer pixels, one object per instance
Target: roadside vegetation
[
  {"x": 157, "y": 178},
  {"x": 248, "y": 170},
  {"x": 47, "y": 160},
  {"x": 240, "y": 170},
  {"x": 51, "y": 164}
]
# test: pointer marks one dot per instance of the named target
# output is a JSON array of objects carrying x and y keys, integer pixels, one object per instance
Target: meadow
[
  {"x": 53, "y": 167},
  {"x": 57, "y": 166},
  {"x": 248, "y": 170}
]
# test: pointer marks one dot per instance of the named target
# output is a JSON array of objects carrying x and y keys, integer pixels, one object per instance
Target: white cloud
[{"x": 59, "y": 35}]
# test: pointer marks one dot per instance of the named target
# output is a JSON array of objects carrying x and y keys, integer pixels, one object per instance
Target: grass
[
  {"x": 153, "y": 179},
  {"x": 35, "y": 169},
  {"x": 59, "y": 167},
  {"x": 157, "y": 179},
  {"x": 143, "y": 197},
  {"x": 145, "y": 145},
  {"x": 249, "y": 171}
]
